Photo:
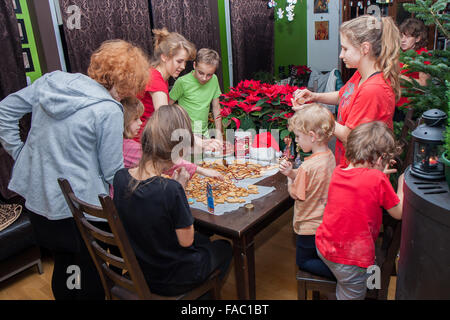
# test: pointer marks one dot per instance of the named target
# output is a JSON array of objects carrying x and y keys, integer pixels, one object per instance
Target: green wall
[
  {"x": 31, "y": 44},
  {"x": 290, "y": 37},
  {"x": 223, "y": 46}
]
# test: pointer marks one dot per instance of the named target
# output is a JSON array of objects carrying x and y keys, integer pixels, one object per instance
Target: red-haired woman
[{"x": 76, "y": 133}]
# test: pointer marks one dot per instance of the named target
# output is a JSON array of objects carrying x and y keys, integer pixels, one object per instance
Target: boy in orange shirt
[{"x": 313, "y": 127}]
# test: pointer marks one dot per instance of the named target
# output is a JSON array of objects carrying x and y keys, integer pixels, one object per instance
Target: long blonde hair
[
  {"x": 168, "y": 44},
  {"x": 384, "y": 37}
]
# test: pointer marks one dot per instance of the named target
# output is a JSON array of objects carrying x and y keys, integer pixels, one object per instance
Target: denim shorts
[{"x": 351, "y": 280}]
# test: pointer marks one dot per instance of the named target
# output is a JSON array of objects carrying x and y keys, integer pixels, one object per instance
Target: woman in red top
[
  {"x": 413, "y": 37},
  {"x": 170, "y": 54},
  {"x": 372, "y": 46}
]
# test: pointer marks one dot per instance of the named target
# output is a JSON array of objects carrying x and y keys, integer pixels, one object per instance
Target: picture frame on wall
[
  {"x": 321, "y": 6},
  {"x": 22, "y": 31},
  {"x": 16, "y": 6},
  {"x": 321, "y": 31},
  {"x": 27, "y": 60}
]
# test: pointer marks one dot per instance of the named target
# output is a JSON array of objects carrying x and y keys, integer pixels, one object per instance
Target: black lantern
[{"x": 428, "y": 139}]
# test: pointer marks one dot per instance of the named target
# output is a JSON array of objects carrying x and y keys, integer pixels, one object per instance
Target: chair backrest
[
  {"x": 386, "y": 249},
  {"x": 406, "y": 140},
  {"x": 115, "y": 284}
]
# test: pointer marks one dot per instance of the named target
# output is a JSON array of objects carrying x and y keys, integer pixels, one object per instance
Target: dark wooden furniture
[
  {"x": 242, "y": 225},
  {"x": 130, "y": 284},
  {"x": 406, "y": 141},
  {"x": 424, "y": 264},
  {"x": 18, "y": 250},
  {"x": 386, "y": 250}
]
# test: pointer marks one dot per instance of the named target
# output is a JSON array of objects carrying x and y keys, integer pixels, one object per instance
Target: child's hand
[
  {"x": 210, "y": 173},
  {"x": 286, "y": 167},
  {"x": 181, "y": 175},
  {"x": 387, "y": 170},
  {"x": 212, "y": 145}
]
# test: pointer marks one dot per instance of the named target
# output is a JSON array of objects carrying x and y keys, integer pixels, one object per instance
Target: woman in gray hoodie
[{"x": 76, "y": 133}]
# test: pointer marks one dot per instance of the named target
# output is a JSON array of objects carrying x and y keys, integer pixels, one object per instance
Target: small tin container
[
  {"x": 249, "y": 207},
  {"x": 242, "y": 142}
]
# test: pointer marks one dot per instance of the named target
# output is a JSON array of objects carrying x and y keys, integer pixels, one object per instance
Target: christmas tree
[{"x": 434, "y": 94}]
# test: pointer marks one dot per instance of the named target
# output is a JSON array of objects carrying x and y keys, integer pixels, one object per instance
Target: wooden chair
[
  {"x": 408, "y": 126},
  {"x": 387, "y": 246},
  {"x": 131, "y": 285}
]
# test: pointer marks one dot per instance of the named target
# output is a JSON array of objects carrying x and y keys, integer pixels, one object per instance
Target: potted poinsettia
[{"x": 255, "y": 105}]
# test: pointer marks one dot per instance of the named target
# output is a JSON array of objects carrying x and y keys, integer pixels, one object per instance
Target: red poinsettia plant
[
  {"x": 255, "y": 105},
  {"x": 302, "y": 70}
]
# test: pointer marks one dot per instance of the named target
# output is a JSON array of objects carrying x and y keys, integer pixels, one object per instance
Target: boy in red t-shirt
[{"x": 346, "y": 238}]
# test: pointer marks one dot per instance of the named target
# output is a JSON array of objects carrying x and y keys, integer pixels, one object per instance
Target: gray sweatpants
[{"x": 351, "y": 280}]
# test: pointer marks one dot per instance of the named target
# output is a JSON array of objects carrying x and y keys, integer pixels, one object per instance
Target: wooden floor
[{"x": 275, "y": 270}]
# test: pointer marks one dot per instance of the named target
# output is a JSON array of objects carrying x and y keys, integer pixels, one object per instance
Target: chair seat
[
  {"x": 304, "y": 275},
  {"x": 16, "y": 237},
  {"x": 311, "y": 282}
]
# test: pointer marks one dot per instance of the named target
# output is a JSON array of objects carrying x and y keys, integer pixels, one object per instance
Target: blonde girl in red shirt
[{"x": 371, "y": 45}]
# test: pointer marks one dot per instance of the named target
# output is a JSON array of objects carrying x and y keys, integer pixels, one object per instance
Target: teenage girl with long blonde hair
[{"x": 372, "y": 46}]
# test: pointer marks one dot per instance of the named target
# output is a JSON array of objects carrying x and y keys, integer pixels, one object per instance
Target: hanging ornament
[
  {"x": 280, "y": 13},
  {"x": 290, "y": 7},
  {"x": 271, "y": 4}
]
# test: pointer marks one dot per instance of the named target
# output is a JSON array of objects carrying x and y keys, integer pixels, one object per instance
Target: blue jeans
[{"x": 307, "y": 258}]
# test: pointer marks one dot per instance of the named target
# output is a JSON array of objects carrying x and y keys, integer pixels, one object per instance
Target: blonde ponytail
[
  {"x": 388, "y": 60},
  {"x": 384, "y": 37},
  {"x": 158, "y": 36}
]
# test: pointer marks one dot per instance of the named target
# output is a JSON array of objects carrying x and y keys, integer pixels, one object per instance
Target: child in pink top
[
  {"x": 313, "y": 127},
  {"x": 357, "y": 194},
  {"x": 132, "y": 151}
]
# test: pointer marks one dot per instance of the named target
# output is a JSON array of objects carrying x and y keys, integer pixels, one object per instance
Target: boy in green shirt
[{"x": 196, "y": 90}]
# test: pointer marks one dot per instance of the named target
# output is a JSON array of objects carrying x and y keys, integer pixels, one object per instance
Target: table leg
[{"x": 244, "y": 267}]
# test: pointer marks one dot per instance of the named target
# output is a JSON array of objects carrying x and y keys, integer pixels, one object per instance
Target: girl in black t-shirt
[{"x": 156, "y": 215}]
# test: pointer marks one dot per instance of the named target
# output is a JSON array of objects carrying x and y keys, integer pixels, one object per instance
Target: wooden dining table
[{"x": 242, "y": 225}]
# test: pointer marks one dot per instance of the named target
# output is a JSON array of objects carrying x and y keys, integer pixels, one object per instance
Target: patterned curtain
[
  {"x": 196, "y": 20},
  {"x": 12, "y": 79},
  {"x": 12, "y": 71},
  {"x": 88, "y": 23},
  {"x": 252, "y": 33}
]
